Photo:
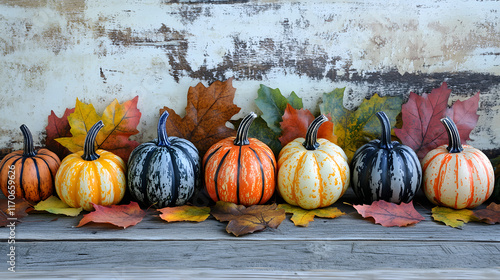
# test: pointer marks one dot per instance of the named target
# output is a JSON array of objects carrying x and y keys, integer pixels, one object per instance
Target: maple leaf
[
  {"x": 296, "y": 122},
  {"x": 13, "y": 211},
  {"x": 120, "y": 122},
  {"x": 261, "y": 131},
  {"x": 243, "y": 220},
  {"x": 207, "y": 111},
  {"x": 57, "y": 128},
  {"x": 56, "y": 206},
  {"x": 118, "y": 215},
  {"x": 422, "y": 129},
  {"x": 302, "y": 217},
  {"x": 490, "y": 215},
  {"x": 390, "y": 214},
  {"x": 358, "y": 127},
  {"x": 451, "y": 217},
  {"x": 184, "y": 213}
]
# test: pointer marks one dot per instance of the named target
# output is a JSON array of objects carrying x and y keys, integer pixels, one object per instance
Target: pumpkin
[
  {"x": 28, "y": 173},
  {"x": 239, "y": 169},
  {"x": 455, "y": 175},
  {"x": 163, "y": 172},
  {"x": 312, "y": 173},
  {"x": 385, "y": 170},
  {"x": 91, "y": 176}
]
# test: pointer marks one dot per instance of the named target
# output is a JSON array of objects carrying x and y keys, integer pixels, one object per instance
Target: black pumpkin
[
  {"x": 385, "y": 170},
  {"x": 163, "y": 172}
]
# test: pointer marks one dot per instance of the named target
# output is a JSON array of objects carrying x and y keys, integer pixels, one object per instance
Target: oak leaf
[
  {"x": 451, "y": 217},
  {"x": 118, "y": 215},
  {"x": 490, "y": 215},
  {"x": 422, "y": 129},
  {"x": 56, "y": 206},
  {"x": 295, "y": 123},
  {"x": 184, "y": 213},
  {"x": 390, "y": 214},
  {"x": 57, "y": 128},
  {"x": 120, "y": 122},
  {"x": 356, "y": 128},
  {"x": 243, "y": 220},
  {"x": 13, "y": 211},
  {"x": 302, "y": 217},
  {"x": 207, "y": 111}
]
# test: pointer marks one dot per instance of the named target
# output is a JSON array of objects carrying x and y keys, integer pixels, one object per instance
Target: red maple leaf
[
  {"x": 422, "y": 129},
  {"x": 118, "y": 215},
  {"x": 390, "y": 214},
  {"x": 56, "y": 128}
]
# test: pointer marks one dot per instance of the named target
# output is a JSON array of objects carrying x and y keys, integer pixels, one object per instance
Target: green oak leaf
[{"x": 358, "y": 127}]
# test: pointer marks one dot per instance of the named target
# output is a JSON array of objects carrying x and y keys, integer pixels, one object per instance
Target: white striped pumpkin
[
  {"x": 312, "y": 173},
  {"x": 163, "y": 172},
  {"x": 455, "y": 175}
]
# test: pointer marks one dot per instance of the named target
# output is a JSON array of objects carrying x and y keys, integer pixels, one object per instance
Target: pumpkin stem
[
  {"x": 385, "y": 140},
  {"x": 162, "y": 130},
  {"x": 89, "y": 151},
  {"x": 312, "y": 133},
  {"x": 29, "y": 148},
  {"x": 242, "y": 133},
  {"x": 454, "y": 145}
]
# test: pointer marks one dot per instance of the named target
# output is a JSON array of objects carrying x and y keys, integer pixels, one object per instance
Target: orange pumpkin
[
  {"x": 91, "y": 176},
  {"x": 457, "y": 176},
  {"x": 239, "y": 169},
  {"x": 28, "y": 173}
]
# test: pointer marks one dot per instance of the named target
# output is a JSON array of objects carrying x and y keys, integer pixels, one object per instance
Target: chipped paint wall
[{"x": 55, "y": 51}]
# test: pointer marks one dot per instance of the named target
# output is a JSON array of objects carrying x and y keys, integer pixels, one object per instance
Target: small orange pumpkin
[
  {"x": 457, "y": 176},
  {"x": 28, "y": 173},
  {"x": 239, "y": 169},
  {"x": 91, "y": 176}
]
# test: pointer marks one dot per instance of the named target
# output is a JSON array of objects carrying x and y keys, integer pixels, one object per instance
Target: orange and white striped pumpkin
[
  {"x": 455, "y": 175},
  {"x": 91, "y": 176},
  {"x": 312, "y": 173}
]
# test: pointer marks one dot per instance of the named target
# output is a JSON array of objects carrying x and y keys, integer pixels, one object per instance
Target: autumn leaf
[
  {"x": 495, "y": 196},
  {"x": 118, "y": 215},
  {"x": 207, "y": 112},
  {"x": 490, "y": 215},
  {"x": 295, "y": 123},
  {"x": 13, "y": 211},
  {"x": 57, "y": 128},
  {"x": 422, "y": 129},
  {"x": 261, "y": 131},
  {"x": 390, "y": 214},
  {"x": 451, "y": 217},
  {"x": 243, "y": 220},
  {"x": 120, "y": 122},
  {"x": 56, "y": 206},
  {"x": 302, "y": 217},
  {"x": 358, "y": 127},
  {"x": 184, "y": 213}
]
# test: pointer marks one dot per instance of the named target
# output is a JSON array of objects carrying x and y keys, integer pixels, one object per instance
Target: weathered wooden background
[{"x": 55, "y": 51}]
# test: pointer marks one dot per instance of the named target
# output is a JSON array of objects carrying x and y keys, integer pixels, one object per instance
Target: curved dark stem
[
  {"x": 312, "y": 133},
  {"x": 89, "y": 150},
  {"x": 162, "y": 130},
  {"x": 454, "y": 145},
  {"x": 29, "y": 148},
  {"x": 242, "y": 133},
  {"x": 385, "y": 140}
]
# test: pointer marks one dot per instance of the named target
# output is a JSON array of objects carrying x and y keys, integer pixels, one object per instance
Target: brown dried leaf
[
  {"x": 490, "y": 215},
  {"x": 12, "y": 211}
]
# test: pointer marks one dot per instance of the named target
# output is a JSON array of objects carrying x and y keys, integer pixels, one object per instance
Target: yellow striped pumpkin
[
  {"x": 455, "y": 175},
  {"x": 91, "y": 176},
  {"x": 312, "y": 173}
]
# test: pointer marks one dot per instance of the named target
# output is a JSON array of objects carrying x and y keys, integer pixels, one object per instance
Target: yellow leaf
[
  {"x": 302, "y": 217},
  {"x": 55, "y": 206},
  {"x": 184, "y": 213},
  {"x": 451, "y": 217}
]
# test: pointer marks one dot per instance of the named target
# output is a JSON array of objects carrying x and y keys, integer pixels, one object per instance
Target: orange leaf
[
  {"x": 390, "y": 214},
  {"x": 243, "y": 220},
  {"x": 207, "y": 112},
  {"x": 490, "y": 215},
  {"x": 12, "y": 211},
  {"x": 295, "y": 123},
  {"x": 118, "y": 215},
  {"x": 184, "y": 213}
]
